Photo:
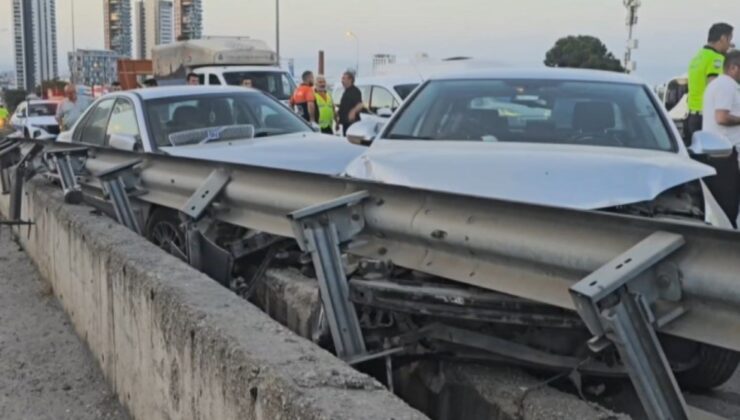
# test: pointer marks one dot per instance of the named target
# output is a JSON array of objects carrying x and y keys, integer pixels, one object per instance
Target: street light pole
[
  {"x": 357, "y": 51},
  {"x": 73, "y": 23},
  {"x": 277, "y": 30}
]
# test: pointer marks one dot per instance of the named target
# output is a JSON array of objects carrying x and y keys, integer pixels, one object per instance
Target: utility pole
[
  {"x": 632, "y": 44},
  {"x": 72, "y": 4},
  {"x": 277, "y": 30}
]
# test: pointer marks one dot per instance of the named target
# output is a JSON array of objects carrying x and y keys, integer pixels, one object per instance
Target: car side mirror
[
  {"x": 125, "y": 142},
  {"x": 363, "y": 132},
  {"x": 36, "y": 134},
  {"x": 704, "y": 143},
  {"x": 385, "y": 112}
]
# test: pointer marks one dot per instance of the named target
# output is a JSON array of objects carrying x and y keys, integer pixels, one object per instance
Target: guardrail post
[
  {"x": 613, "y": 303},
  {"x": 22, "y": 173},
  {"x": 68, "y": 163},
  {"x": 114, "y": 188},
  {"x": 321, "y": 230}
]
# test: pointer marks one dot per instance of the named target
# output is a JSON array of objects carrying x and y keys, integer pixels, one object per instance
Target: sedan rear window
[{"x": 535, "y": 111}]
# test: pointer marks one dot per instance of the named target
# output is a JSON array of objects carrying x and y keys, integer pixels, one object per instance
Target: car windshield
[
  {"x": 42, "y": 110},
  {"x": 276, "y": 83},
  {"x": 405, "y": 90},
  {"x": 535, "y": 111},
  {"x": 185, "y": 120}
]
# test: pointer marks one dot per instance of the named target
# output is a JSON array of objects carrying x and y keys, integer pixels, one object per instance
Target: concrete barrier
[{"x": 175, "y": 345}]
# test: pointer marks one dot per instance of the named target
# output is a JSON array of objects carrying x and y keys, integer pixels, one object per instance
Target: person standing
[
  {"x": 705, "y": 66},
  {"x": 303, "y": 99},
  {"x": 192, "y": 79},
  {"x": 325, "y": 106},
  {"x": 351, "y": 104},
  {"x": 722, "y": 117},
  {"x": 71, "y": 108}
]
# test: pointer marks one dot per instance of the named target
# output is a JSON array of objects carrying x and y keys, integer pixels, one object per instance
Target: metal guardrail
[{"x": 691, "y": 289}]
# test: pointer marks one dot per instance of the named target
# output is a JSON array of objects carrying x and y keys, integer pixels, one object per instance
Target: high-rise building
[
  {"x": 188, "y": 19},
  {"x": 93, "y": 67},
  {"x": 155, "y": 19},
  {"x": 117, "y": 21},
  {"x": 35, "y": 34}
]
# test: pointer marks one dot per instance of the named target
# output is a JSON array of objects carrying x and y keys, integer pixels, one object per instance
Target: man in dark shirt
[{"x": 351, "y": 104}]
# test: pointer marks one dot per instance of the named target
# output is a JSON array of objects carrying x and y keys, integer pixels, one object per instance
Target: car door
[
  {"x": 18, "y": 120},
  {"x": 380, "y": 98},
  {"x": 123, "y": 121},
  {"x": 93, "y": 128}
]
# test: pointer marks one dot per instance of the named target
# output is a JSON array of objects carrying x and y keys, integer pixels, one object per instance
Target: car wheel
[
  {"x": 711, "y": 366},
  {"x": 163, "y": 229}
]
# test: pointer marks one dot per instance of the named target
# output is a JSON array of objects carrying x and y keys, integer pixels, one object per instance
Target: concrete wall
[{"x": 173, "y": 343}]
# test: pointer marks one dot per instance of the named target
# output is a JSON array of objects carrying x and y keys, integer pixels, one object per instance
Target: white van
[{"x": 273, "y": 80}]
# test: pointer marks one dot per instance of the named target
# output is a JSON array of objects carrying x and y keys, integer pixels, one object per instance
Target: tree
[
  {"x": 582, "y": 51},
  {"x": 13, "y": 97}
]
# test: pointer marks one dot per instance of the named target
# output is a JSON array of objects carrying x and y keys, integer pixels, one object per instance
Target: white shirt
[
  {"x": 723, "y": 93},
  {"x": 69, "y": 112}
]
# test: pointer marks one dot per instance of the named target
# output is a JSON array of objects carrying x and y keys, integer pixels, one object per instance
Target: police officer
[{"x": 704, "y": 67}]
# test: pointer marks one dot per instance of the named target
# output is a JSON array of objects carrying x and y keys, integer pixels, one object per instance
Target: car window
[
  {"x": 213, "y": 80},
  {"x": 276, "y": 83},
  {"x": 535, "y": 111},
  {"x": 42, "y": 110},
  {"x": 122, "y": 120},
  {"x": 178, "y": 121},
  {"x": 92, "y": 130},
  {"x": 382, "y": 98},
  {"x": 405, "y": 90},
  {"x": 201, "y": 79},
  {"x": 21, "y": 111}
]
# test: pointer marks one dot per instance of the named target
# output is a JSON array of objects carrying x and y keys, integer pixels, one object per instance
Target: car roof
[
  {"x": 545, "y": 73},
  {"x": 41, "y": 101},
  {"x": 205, "y": 69},
  {"x": 183, "y": 90},
  {"x": 389, "y": 80}
]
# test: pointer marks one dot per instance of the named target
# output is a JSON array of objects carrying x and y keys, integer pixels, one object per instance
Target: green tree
[
  {"x": 13, "y": 97},
  {"x": 582, "y": 51}
]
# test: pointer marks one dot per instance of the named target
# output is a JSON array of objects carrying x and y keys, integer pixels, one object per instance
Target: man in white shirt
[
  {"x": 722, "y": 101},
  {"x": 71, "y": 108}
]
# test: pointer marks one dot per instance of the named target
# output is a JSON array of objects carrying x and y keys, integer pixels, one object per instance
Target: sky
[{"x": 518, "y": 32}]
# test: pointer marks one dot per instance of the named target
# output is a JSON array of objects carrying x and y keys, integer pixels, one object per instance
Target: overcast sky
[{"x": 518, "y": 32}]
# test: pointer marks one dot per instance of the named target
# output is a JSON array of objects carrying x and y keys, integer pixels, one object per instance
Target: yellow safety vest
[{"x": 326, "y": 109}]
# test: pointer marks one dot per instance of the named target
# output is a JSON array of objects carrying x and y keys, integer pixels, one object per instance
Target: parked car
[
  {"x": 566, "y": 138},
  {"x": 36, "y": 118},
  {"x": 229, "y": 124},
  {"x": 382, "y": 95}
]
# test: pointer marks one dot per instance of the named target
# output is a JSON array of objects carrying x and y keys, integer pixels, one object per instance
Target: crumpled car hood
[
  {"x": 304, "y": 152},
  {"x": 580, "y": 177}
]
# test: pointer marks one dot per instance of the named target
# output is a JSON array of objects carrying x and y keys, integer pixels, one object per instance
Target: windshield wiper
[{"x": 408, "y": 137}]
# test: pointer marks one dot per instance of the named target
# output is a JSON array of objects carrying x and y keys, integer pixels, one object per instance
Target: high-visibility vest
[{"x": 326, "y": 109}]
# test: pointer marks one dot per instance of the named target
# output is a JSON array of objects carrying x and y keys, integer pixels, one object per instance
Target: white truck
[{"x": 223, "y": 61}]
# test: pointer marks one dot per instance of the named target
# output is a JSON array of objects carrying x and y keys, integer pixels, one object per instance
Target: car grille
[{"x": 51, "y": 129}]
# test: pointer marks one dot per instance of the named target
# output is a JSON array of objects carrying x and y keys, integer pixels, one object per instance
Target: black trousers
[
  {"x": 692, "y": 125},
  {"x": 327, "y": 130}
]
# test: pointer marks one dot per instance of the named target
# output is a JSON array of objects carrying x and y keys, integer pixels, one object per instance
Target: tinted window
[
  {"x": 192, "y": 114},
  {"x": 381, "y": 98},
  {"x": 92, "y": 130},
  {"x": 42, "y": 110},
  {"x": 276, "y": 83},
  {"x": 213, "y": 80},
  {"x": 123, "y": 120},
  {"x": 535, "y": 111},
  {"x": 405, "y": 90}
]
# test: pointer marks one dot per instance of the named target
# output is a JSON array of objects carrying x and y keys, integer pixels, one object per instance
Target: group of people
[
  {"x": 714, "y": 87},
  {"x": 315, "y": 104}
]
